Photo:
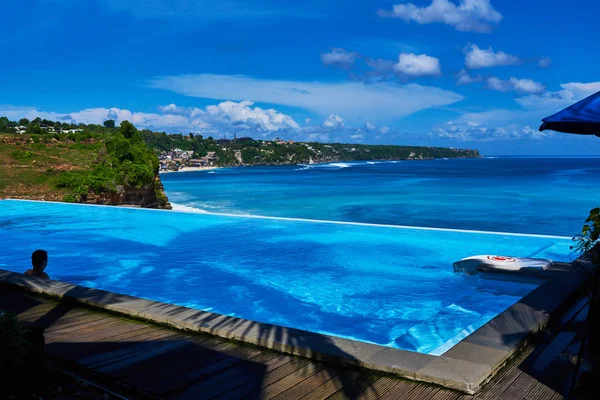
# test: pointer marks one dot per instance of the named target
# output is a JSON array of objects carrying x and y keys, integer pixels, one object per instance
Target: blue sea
[{"x": 524, "y": 195}]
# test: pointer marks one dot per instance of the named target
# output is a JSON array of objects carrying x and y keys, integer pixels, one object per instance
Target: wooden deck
[{"x": 143, "y": 360}]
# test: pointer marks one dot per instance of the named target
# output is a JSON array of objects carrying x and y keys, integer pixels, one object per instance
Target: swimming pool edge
[{"x": 466, "y": 367}]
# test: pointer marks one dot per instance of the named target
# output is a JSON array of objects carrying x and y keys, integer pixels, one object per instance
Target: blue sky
[{"x": 459, "y": 73}]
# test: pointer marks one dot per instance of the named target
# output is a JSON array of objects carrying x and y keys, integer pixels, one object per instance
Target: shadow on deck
[{"x": 158, "y": 362}]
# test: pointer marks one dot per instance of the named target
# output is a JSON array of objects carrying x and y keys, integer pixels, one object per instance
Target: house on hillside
[
  {"x": 210, "y": 159},
  {"x": 47, "y": 128},
  {"x": 20, "y": 129}
]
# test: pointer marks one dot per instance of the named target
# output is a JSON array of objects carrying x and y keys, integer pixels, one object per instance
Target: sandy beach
[{"x": 189, "y": 169}]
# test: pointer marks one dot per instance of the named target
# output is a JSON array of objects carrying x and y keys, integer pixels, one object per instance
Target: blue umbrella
[{"x": 582, "y": 118}]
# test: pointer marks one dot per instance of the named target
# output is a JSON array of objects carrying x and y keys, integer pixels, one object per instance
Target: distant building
[
  {"x": 223, "y": 141},
  {"x": 20, "y": 129},
  {"x": 47, "y": 128},
  {"x": 245, "y": 139}
]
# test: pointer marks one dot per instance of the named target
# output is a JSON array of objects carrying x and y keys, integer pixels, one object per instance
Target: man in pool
[{"x": 39, "y": 260}]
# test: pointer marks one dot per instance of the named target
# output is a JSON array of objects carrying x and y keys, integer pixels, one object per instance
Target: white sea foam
[
  {"x": 340, "y": 165},
  {"x": 304, "y": 167},
  {"x": 188, "y": 209}
]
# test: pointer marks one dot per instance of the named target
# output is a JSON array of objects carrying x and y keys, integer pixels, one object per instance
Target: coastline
[{"x": 189, "y": 169}]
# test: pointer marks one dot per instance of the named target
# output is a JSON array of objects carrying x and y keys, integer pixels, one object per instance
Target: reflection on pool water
[{"x": 392, "y": 286}]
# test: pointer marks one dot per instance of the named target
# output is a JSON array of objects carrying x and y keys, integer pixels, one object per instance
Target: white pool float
[{"x": 486, "y": 263}]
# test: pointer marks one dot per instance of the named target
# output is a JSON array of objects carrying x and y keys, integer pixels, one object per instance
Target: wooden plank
[
  {"x": 294, "y": 378},
  {"x": 169, "y": 389},
  {"x": 520, "y": 387},
  {"x": 331, "y": 386},
  {"x": 260, "y": 367},
  {"x": 310, "y": 384},
  {"x": 506, "y": 376},
  {"x": 189, "y": 351},
  {"x": 78, "y": 330},
  {"x": 122, "y": 350},
  {"x": 446, "y": 394},
  {"x": 34, "y": 312},
  {"x": 354, "y": 388},
  {"x": 73, "y": 321},
  {"x": 406, "y": 389},
  {"x": 173, "y": 371},
  {"x": 251, "y": 389},
  {"x": 380, "y": 387},
  {"x": 223, "y": 381},
  {"x": 156, "y": 348}
]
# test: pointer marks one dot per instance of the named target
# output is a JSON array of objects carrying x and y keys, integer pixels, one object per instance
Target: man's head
[{"x": 39, "y": 260}]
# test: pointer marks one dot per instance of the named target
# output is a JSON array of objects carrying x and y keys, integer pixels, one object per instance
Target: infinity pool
[{"x": 392, "y": 286}]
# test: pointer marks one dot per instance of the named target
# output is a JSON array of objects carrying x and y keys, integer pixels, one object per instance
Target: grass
[{"x": 30, "y": 165}]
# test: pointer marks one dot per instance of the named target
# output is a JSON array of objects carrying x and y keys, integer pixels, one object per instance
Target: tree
[
  {"x": 34, "y": 128},
  {"x": 4, "y": 124},
  {"x": 128, "y": 130},
  {"x": 24, "y": 122},
  {"x": 109, "y": 124}
]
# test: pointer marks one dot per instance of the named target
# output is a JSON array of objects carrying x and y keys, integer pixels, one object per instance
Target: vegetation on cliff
[
  {"x": 95, "y": 164},
  {"x": 246, "y": 151}
]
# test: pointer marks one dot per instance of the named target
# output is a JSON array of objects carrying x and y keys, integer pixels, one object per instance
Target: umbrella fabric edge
[{"x": 579, "y": 128}]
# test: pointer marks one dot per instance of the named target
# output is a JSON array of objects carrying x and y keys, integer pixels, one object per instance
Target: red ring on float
[{"x": 501, "y": 259}]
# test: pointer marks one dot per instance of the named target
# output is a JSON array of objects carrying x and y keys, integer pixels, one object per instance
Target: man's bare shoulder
[{"x": 31, "y": 272}]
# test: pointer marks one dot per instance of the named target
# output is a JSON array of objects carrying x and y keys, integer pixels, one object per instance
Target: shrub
[{"x": 13, "y": 343}]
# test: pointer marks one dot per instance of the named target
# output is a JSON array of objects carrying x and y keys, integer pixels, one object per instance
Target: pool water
[{"x": 393, "y": 286}]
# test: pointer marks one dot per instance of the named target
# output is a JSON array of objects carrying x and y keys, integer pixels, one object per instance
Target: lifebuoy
[{"x": 501, "y": 258}]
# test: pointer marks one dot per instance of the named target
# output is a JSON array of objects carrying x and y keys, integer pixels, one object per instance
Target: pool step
[{"x": 440, "y": 332}]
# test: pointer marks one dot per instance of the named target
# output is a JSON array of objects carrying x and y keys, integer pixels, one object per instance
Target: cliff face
[
  {"x": 32, "y": 166},
  {"x": 150, "y": 196}
]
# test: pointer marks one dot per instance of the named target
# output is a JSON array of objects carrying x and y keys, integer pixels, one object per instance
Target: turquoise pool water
[{"x": 388, "y": 285}]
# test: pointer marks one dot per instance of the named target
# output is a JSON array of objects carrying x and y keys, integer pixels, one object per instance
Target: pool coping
[{"x": 466, "y": 367}]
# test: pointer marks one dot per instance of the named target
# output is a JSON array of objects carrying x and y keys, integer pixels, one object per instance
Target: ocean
[{"x": 551, "y": 196}]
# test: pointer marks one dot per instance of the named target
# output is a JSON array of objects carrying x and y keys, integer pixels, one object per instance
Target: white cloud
[
  {"x": 486, "y": 58},
  {"x": 581, "y": 90},
  {"x": 339, "y": 58},
  {"x": 381, "y": 101},
  {"x": 358, "y": 136},
  {"x": 242, "y": 115},
  {"x": 518, "y": 123},
  {"x": 334, "y": 122},
  {"x": 526, "y": 86},
  {"x": 417, "y": 65},
  {"x": 471, "y": 132},
  {"x": 216, "y": 120},
  {"x": 544, "y": 62},
  {"x": 468, "y": 15},
  {"x": 464, "y": 78},
  {"x": 223, "y": 117}
]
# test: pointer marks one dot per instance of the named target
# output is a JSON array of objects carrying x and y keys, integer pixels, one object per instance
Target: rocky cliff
[{"x": 32, "y": 168}]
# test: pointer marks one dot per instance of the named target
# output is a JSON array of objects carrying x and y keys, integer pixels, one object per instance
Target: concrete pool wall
[{"x": 467, "y": 366}]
